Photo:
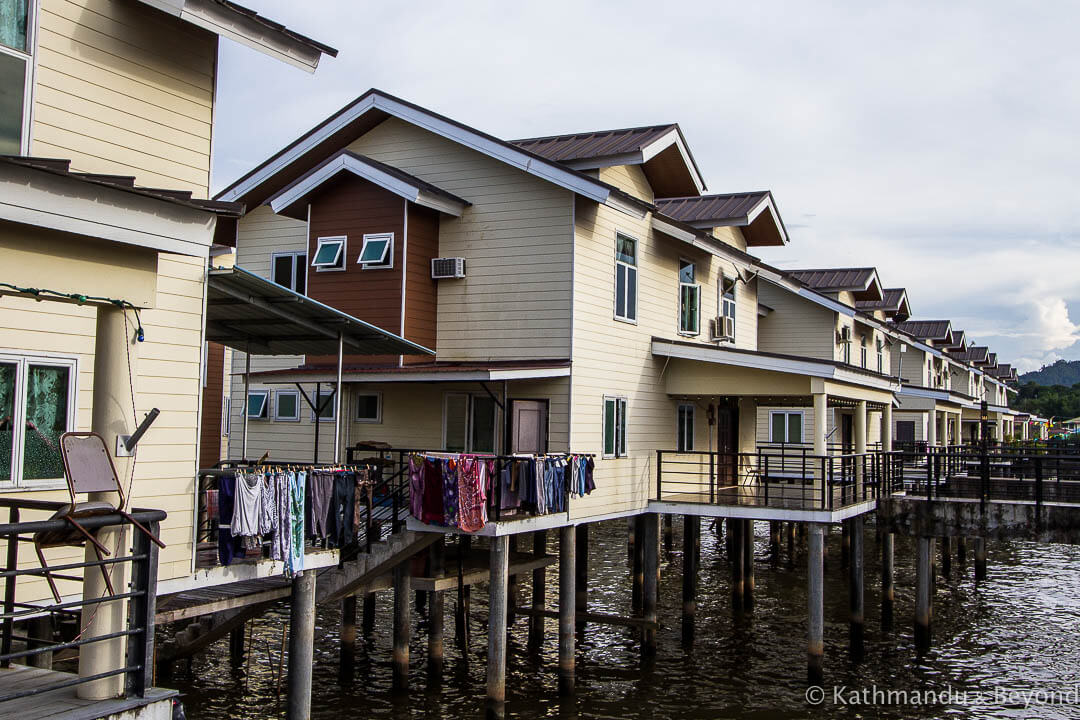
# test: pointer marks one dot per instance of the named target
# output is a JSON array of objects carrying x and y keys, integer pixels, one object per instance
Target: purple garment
[
  {"x": 280, "y": 544},
  {"x": 450, "y": 492},
  {"x": 416, "y": 487}
]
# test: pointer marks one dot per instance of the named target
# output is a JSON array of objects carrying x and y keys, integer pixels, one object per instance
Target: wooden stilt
[
  {"x": 748, "y": 565},
  {"x": 512, "y": 587},
  {"x": 650, "y": 588},
  {"x": 497, "y": 618},
  {"x": 637, "y": 568},
  {"x": 691, "y": 531},
  {"x": 669, "y": 533},
  {"x": 774, "y": 541},
  {"x": 436, "y": 617},
  {"x": 845, "y": 543},
  {"x": 738, "y": 564},
  {"x": 581, "y": 568},
  {"x": 791, "y": 531},
  {"x": 816, "y": 600},
  {"x": 922, "y": 595},
  {"x": 402, "y": 626},
  {"x": 539, "y": 591},
  {"x": 236, "y": 646},
  {"x": 461, "y": 610},
  {"x": 301, "y": 645},
  {"x": 961, "y": 550},
  {"x": 888, "y": 594},
  {"x": 567, "y": 604},
  {"x": 368, "y": 626}
]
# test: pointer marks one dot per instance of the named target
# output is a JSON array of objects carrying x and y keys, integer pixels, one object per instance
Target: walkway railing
[
  {"x": 140, "y": 592},
  {"x": 1036, "y": 474},
  {"x": 776, "y": 478}
]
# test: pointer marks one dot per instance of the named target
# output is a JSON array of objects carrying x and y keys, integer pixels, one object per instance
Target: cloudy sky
[{"x": 936, "y": 143}]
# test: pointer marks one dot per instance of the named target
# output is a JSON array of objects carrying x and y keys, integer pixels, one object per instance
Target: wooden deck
[
  {"x": 782, "y": 496},
  {"x": 64, "y": 702}
]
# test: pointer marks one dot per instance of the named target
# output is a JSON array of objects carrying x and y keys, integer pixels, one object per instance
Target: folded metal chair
[{"x": 89, "y": 469}]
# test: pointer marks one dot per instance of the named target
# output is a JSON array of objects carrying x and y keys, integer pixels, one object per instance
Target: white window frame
[
  {"x": 29, "y": 56},
  {"x": 278, "y": 417},
  {"x": 378, "y": 408},
  {"x": 297, "y": 267},
  {"x": 688, "y": 439},
  {"x": 786, "y": 413},
  {"x": 628, "y": 269},
  {"x": 864, "y": 356},
  {"x": 317, "y": 397},
  {"x": 226, "y": 415},
  {"x": 266, "y": 405},
  {"x": 344, "y": 240},
  {"x": 389, "y": 265},
  {"x": 726, "y": 305},
  {"x": 880, "y": 356},
  {"x": 683, "y": 286},
  {"x": 22, "y": 359},
  {"x": 621, "y": 449},
  {"x": 469, "y": 410}
]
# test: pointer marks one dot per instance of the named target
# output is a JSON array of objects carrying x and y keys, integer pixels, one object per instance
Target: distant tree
[{"x": 1063, "y": 372}]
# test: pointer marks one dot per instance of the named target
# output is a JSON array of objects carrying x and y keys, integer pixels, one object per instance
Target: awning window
[
  {"x": 376, "y": 251},
  {"x": 329, "y": 252}
]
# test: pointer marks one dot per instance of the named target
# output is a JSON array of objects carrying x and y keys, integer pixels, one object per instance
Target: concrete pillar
[
  {"x": 402, "y": 626},
  {"x": 922, "y": 594},
  {"x": 650, "y": 587},
  {"x": 931, "y": 428},
  {"x": 845, "y": 543},
  {"x": 961, "y": 550},
  {"x": 691, "y": 531},
  {"x": 539, "y": 591},
  {"x": 512, "y": 585},
  {"x": 436, "y": 616},
  {"x": 855, "y": 586},
  {"x": 301, "y": 645},
  {"x": 637, "y": 569},
  {"x": 774, "y": 540},
  {"x": 496, "y": 660},
  {"x": 236, "y": 646},
  {"x": 113, "y": 415},
  {"x": 821, "y": 404},
  {"x": 567, "y": 605},
  {"x": 40, "y": 630},
  {"x": 886, "y": 428},
  {"x": 581, "y": 569},
  {"x": 669, "y": 536},
  {"x": 748, "y": 564},
  {"x": 464, "y": 600},
  {"x": 815, "y": 650},
  {"x": 980, "y": 559},
  {"x": 368, "y": 626},
  {"x": 888, "y": 594},
  {"x": 860, "y": 443}
]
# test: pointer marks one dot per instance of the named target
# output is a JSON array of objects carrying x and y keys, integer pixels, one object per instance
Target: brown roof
[
  {"x": 719, "y": 210},
  {"x": 970, "y": 355},
  {"x": 125, "y": 183},
  {"x": 589, "y": 145},
  {"x": 862, "y": 282},
  {"x": 927, "y": 329},
  {"x": 893, "y": 301}
]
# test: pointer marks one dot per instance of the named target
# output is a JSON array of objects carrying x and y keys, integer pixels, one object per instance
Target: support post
[
  {"x": 464, "y": 598},
  {"x": 860, "y": 445},
  {"x": 113, "y": 415},
  {"x": 887, "y": 428},
  {"x": 539, "y": 591},
  {"x": 402, "y": 626},
  {"x": 774, "y": 541},
  {"x": 791, "y": 543},
  {"x": 301, "y": 645},
  {"x": 40, "y": 629},
  {"x": 347, "y": 655},
  {"x": 436, "y": 616},
  {"x": 637, "y": 569},
  {"x": 691, "y": 531},
  {"x": 338, "y": 398},
  {"x": 369, "y": 614},
  {"x": 821, "y": 404},
  {"x": 496, "y": 661},
  {"x": 922, "y": 595},
  {"x": 855, "y": 586},
  {"x": 581, "y": 568},
  {"x": 247, "y": 389},
  {"x": 567, "y": 605},
  {"x": 980, "y": 559},
  {"x": 845, "y": 543},
  {"x": 738, "y": 565},
  {"x": 236, "y": 646},
  {"x": 511, "y": 585},
  {"x": 961, "y": 550},
  {"x": 650, "y": 587},
  {"x": 815, "y": 651},
  {"x": 946, "y": 556},
  {"x": 888, "y": 593},
  {"x": 669, "y": 532},
  {"x": 748, "y": 564}
]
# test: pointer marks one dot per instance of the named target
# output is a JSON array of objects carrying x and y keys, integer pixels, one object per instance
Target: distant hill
[{"x": 1063, "y": 372}]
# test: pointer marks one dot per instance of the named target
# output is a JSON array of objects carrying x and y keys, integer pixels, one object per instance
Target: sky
[{"x": 936, "y": 142}]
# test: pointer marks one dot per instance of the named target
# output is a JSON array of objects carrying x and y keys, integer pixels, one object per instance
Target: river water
[{"x": 1007, "y": 648}]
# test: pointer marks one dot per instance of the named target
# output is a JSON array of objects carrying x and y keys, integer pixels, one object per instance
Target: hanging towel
[
  {"x": 247, "y": 510},
  {"x": 281, "y": 541},
  {"x": 470, "y": 495},
  {"x": 295, "y": 562}
]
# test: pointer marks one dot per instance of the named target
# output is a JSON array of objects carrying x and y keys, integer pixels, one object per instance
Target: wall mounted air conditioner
[
  {"x": 447, "y": 268},
  {"x": 722, "y": 328}
]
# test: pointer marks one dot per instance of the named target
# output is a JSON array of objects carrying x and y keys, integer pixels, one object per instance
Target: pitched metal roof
[
  {"x": 600, "y": 143},
  {"x": 727, "y": 209},
  {"x": 249, "y": 313},
  {"x": 927, "y": 329},
  {"x": 893, "y": 301},
  {"x": 862, "y": 282},
  {"x": 125, "y": 183},
  {"x": 972, "y": 354}
]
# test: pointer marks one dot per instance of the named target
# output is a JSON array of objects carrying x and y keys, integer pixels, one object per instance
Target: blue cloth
[{"x": 228, "y": 546}]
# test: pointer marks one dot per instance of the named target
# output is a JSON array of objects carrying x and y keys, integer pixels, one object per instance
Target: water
[{"x": 1015, "y": 633}]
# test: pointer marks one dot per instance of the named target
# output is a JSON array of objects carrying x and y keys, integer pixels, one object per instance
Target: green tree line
[{"x": 1060, "y": 402}]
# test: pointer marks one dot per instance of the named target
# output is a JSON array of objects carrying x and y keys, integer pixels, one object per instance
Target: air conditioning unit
[
  {"x": 722, "y": 328},
  {"x": 844, "y": 335},
  {"x": 447, "y": 268}
]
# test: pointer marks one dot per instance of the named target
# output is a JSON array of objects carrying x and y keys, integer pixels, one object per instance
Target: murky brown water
[{"x": 1019, "y": 632}]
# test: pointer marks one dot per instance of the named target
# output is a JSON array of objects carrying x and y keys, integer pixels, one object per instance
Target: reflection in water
[{"x": 1017, "y": 632}]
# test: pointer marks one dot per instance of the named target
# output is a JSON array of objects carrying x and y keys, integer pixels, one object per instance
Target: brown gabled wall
[
  {"x": 210, "y": 434},
  {"x": 354, "y": 207}
]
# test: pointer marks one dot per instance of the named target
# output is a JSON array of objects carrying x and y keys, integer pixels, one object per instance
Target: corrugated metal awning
[{"x": 249, "y": 313}]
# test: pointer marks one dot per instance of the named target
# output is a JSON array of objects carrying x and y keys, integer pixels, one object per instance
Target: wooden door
[
  {"x": 727, "y": 444},
  {"x": 528, "y": 426}
]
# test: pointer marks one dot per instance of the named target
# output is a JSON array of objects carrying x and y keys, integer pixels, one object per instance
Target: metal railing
[
  {"x": 773, "y": 478},
  {"x": 1035, "y": 474},
  {"x": 143, "y": 557}
]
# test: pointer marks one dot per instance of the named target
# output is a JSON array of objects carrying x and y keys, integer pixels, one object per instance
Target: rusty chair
[{"x": 88, "y": 468}]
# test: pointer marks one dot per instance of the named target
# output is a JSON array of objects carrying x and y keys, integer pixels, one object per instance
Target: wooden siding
[
  {"x": 795, "y": 326},
  {"x": 516, "y": 238},
  {"x": 213, "y": 389},
  {"x": 125, "y": 89},
  {"x": 421, "y": 292},
  {"x": 628, "y": 178}
]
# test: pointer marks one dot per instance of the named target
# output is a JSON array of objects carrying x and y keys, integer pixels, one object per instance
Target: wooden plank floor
[
  {"x": 62, "y": 703},
  {"x": 193, "y": 603}
]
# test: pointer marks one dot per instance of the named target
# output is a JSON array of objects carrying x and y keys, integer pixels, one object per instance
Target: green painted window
[
  {"x": 614, "y": 427},
  {"x": 369, "y": 407},
  {"x": 8, "y": 372},
  {"x": 12, "y": 102},
  {"x": 14, "y": 20},
  {"x": 36, "y": 406},
  {"x": 786, "y": 427},
  {"x": 684, "y": 436},
  {"x": 330, "y": 254},
  {"x": 288, "y": 405},
  {"x": 256, "y": 404},
  {"x": 325, "y": 403},
  {"x": 377, "y": 251}
]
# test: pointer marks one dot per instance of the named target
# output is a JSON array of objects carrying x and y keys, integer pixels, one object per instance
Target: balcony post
[
  {"x": 886, "y": 428},
  {"x": 860, "y": 445},
  {"x": 115, "y": 371},
  {"x": 821, "y": 404}
]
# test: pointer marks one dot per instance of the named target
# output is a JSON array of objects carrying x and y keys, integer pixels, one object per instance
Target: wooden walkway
[{"x": 64, "y": 702}]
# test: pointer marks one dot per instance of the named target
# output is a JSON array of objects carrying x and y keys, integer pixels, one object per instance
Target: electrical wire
[{"x": 40, "y": 294}]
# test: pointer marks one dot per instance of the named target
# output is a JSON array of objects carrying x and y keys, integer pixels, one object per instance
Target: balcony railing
[
  {"x": 141, "y": 594},
  {"x": 783, "y": 478}
]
